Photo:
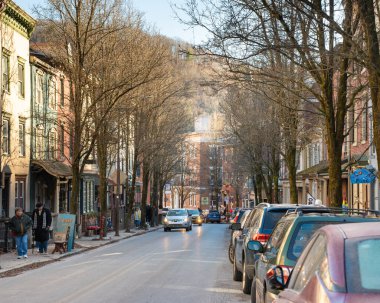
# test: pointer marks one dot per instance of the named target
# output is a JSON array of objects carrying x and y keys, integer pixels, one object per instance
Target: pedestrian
[
  {"x": 19, "y": 225},
  {"x": 137, "y": 216},
  {"x": 344, "y": 204},
  {"x": 41, "y": 226},
  {"x": 148, "y": 213}
]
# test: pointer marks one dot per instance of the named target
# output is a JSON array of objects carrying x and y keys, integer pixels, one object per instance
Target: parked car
[
  {"x": 196, "y": 217},
  {"x": 259, "y": 227},
  {"x": 238, "y": 215},
  {"x": 214, "y": 216},
  {"x": 178, "y": 218},
  {"x": 288, "y": 240},
  {"x": 237, "y": 233},
  {"x": 340, "y": 264}
]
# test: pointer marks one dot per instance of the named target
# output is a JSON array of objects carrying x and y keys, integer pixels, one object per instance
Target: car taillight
[
  {"x": 262, "y": 238},
  {"x": 235, "y": 219}
]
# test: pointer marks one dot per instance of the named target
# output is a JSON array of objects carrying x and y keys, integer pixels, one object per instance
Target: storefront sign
[
  {"x": 362, "y": 175},
  {"x": 204, "y": 201}
]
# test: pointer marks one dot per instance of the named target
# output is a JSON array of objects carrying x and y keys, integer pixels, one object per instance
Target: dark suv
[
  {"x": 287, "y": 242},
  {"x": 258, "y": 226}
]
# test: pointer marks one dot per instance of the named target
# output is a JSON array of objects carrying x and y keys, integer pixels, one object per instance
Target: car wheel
[
  {"x": 231, "y": 253},
  {"x": 253, "y": 291},
  {"x": 165, "y": 229},
  {"x": 218, "y": 222},
  {"x": 236, "y": 274},
  {"x": 187, "y": 228},
  {"x": 200, "y": 224},
  {"x": 169, "y": 229},
  {"x": 247, "y": 282}
]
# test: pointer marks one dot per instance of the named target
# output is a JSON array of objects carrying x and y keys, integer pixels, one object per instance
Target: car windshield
[
  {"x": 193, "y": 212},
  {"x": 304, "y": 231},
  {"x": 362, "y": 265},
  {"x": 177, "y": 212}
]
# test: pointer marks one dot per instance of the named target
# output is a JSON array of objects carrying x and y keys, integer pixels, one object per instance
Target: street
[{"x": 177, "y": 266}]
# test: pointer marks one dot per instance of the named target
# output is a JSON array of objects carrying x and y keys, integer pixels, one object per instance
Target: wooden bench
[
  {"x": 91, "y": 229},
  {"x": 60, "y": 240}
]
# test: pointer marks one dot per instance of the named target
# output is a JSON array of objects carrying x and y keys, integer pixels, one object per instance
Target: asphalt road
[{"x": 157, "y": 267}]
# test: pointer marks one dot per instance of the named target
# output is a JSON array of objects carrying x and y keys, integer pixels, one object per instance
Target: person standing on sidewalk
[
  {"x": 19, "y": 225},
  {"x": 137, "y": 217},
  {"x": 41, "y": 225}
]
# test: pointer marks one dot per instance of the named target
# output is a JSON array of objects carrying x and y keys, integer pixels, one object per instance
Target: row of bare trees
[
  {"x": 304, "y": 56},
  {"x": 126, "y": 92}
]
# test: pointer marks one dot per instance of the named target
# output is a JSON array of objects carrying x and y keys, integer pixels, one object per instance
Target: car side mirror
[
  {"x": 255, "y": 246},
  {"x": 278, "y": 276},
  {"x": 236, "y": 226}
]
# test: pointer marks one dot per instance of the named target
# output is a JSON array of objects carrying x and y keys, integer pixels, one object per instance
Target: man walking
[
  {"x": 19, "y": 225},
  {"x": 41, "y": 225}
]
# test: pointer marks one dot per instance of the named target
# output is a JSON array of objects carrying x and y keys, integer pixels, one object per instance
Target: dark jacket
[
  {"x": 41, "y": 224},
  {"x": 20, "y": 225}
]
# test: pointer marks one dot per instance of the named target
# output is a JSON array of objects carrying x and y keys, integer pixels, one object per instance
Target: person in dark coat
[
  {"x": 148, "y": 214},
  {"x": 41, "y": 225},
  {"x": 19, "y": 225}
]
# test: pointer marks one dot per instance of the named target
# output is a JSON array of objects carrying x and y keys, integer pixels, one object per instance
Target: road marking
[
  {"x": 224, "y": 290},
  {"x": 188, "y": 260},
  {"x": 111, "y": 254},
  {"x": 171, "y": 252},
  {"x": 83, "y": 263}
]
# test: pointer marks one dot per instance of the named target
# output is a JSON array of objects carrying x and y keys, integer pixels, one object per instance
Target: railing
[{"x": 6, "y": 239}]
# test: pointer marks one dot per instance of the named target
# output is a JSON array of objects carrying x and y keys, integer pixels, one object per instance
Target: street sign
[
  {"x": 362, "y": 175},
  {"x": 204, "y": 201},
  {"x": 310, "y": 199}
]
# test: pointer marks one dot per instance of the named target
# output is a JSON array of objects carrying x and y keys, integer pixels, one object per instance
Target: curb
[{"x": 16, "y": 271}]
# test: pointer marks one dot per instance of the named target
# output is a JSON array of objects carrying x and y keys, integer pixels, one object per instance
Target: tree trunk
[
  {"x": 368, "y": 16},
  {"x": 290, "y": 161},
  {"x": 102, "y": 164},
  {"x": 259, "y": 183},
  {"x": 144, "y": 195},
  {"x": 155, "y": 195},
  {"x": 131, "y": 192},
  {"x": 75, "y": 188}
]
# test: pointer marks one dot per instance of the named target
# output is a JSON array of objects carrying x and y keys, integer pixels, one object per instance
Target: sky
[{"x": 157, "y": 13}]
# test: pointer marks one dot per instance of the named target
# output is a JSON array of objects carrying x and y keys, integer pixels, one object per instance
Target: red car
[{"x": 340, "y": 264}]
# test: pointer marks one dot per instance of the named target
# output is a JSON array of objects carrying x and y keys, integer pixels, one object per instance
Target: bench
[
  {"x": 60, "y": 240},
  {"x": 92, "y": 229}
]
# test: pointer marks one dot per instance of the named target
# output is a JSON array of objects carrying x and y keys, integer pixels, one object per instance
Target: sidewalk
[{"x": 10, "y": 265}]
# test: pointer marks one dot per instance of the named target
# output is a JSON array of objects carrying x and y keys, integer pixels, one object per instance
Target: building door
[{"x": 20, "y": 192}]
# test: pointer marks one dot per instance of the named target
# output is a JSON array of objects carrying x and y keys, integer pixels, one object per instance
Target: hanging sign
[
  {"x": 362, "y": 175},
  {"x": 310, "y": 199}
]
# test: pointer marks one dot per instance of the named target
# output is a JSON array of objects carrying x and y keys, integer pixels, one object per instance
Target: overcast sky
[{"x": 157, "y": 13}]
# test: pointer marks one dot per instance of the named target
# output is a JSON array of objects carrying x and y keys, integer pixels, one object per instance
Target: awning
[
  {"x": 54, "y": 168},
  {"x": 320, "y": 168}
]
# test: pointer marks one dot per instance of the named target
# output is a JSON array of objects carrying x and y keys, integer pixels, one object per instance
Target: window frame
[
  {"x": 6, "y": 72},
  {"x": 52, "y": 140},
  {"x": 21, "y": 81},
  {"x": 6, "y": 139},
  {"x": 52, "y": 99},
  {"x": 21, "y": 138}
]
